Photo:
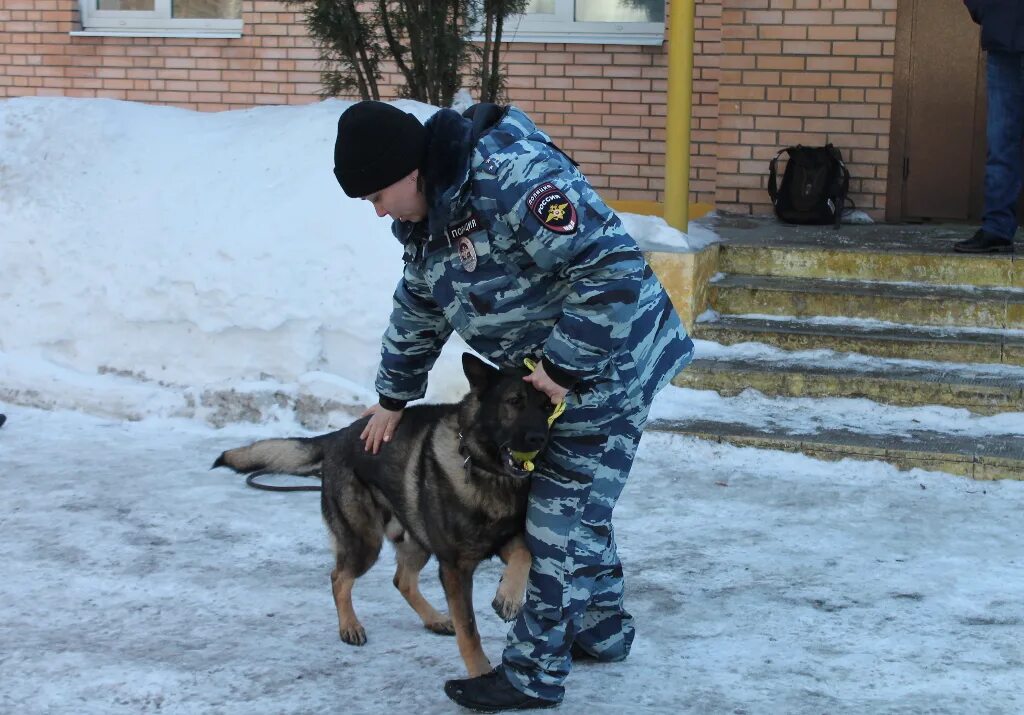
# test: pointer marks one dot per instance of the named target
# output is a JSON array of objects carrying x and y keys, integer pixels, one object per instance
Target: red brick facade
[
  {"x": 804, "y": 72},
  {"x": 767, "y": 73}
]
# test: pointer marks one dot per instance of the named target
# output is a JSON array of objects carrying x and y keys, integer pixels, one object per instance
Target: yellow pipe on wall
[{"x": 677, "y": 120}]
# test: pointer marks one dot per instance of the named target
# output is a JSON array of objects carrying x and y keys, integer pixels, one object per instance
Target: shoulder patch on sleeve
[{"x": 552, "y": 208}]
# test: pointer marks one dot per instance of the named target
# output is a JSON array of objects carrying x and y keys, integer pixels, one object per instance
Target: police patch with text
[
  {"x": 552, "y": 207},
  {"x": 466, "y": 226}
]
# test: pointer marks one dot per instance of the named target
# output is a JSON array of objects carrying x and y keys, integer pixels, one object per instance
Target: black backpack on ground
[{"x": 814, "y": 185}]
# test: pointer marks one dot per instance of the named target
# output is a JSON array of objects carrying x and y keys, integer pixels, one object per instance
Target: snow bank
[{"x": 164, "y": 262}]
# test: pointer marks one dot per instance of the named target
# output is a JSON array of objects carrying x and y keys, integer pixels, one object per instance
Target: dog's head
[{"x": 502, "y": 417}]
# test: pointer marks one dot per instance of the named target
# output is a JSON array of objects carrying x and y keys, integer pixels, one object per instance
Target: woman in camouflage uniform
[{"x": 507, "y": 244}]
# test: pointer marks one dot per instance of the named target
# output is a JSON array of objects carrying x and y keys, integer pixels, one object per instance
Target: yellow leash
[{"x": 526, "y": 458}]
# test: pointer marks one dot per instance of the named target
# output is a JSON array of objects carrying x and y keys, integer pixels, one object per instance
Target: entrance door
[{"x": 937, "y": 154}]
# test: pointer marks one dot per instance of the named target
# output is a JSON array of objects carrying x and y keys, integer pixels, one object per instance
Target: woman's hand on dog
[
  {"x": 540, "y": 381},
  {"x": 380, "y": 428}
]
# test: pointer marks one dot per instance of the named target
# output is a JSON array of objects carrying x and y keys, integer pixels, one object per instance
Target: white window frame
[
  {"x": 155, "y": 23},
  {"x": 561, "y": 27}
]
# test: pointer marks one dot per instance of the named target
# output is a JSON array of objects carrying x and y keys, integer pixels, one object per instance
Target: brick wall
[
  {"x": 804, "y": 72},
  {"x": 606, "y": 104},
  {"x": 707, "y": 51},
  {"x": 274, "y": 62},
  {"x": 767, "y": 73}
]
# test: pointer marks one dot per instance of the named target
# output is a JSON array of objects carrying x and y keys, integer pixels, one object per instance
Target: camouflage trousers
[{"x": 576, "y": 584}]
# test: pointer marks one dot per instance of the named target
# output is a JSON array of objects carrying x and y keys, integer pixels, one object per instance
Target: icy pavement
[{"x": 137, "y": 581}]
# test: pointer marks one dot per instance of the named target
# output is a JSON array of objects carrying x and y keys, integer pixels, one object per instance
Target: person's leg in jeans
[{"x": 1005, "y": 132}]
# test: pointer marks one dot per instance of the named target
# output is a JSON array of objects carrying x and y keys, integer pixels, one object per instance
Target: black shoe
[
  {"x": 492, "y": 693},
  {"x": 984, "y": 242}
]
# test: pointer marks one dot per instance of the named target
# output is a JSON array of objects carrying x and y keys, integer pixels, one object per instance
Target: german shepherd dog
[{"x": 446, "y": 484}]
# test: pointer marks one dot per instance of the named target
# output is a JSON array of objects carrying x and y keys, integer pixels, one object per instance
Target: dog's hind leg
[
  {"x": 356, "y": 538},
  {"x": 349, "y": 627},
  {"x": 411, "y": 559},
  {"x": 458, "y": 587},
  {"x": 511, "y": 595}
]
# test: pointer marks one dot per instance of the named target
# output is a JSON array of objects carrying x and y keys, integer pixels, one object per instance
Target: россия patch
[{"x": 552, "y": 208}]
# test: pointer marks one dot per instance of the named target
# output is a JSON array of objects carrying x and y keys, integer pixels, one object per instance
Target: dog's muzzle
[
  {"x": 525, "y": 459},
  {"x": 518, "y": 464}
]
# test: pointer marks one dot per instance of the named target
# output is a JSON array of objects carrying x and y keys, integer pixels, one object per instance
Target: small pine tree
[
  {"x": 350, "y": 48},
  {"x": 490, "y": 76},
  {"x": 427, "y": 39},
  {"x": 436, "y": 33}
]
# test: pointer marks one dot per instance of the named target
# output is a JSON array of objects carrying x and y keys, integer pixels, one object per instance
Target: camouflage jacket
[{"x": 522, "y": 258}]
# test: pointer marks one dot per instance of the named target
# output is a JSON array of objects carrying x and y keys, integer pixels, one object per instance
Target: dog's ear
[{"x": 480, "y": 374}]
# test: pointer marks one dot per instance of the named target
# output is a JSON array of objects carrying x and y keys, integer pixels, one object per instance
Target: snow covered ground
[
  {"x": 135, "y": 580},
  {"x": 173, "y": 284}
]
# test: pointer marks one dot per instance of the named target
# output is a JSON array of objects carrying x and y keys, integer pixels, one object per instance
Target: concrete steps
[
  {"x": 896, "y": 253},
  {"x": 918, "y": 304},
  {"x": 978, "y": 458},
  {"x": 965, "y": 345},
  {"x": 892, "y": 383},
  {"x": 922, "y": 324}
]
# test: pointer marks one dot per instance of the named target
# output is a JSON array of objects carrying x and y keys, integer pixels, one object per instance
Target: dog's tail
[{"x": 301, "y": 456}]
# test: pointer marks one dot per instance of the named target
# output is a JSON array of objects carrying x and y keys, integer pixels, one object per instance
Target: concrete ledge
[
  {"x": 850, "y": 264},
  {"x": 985, "y": 458},
  {"x": 888, "y": 384},
  {"x": 901, "y": 341},
  {"x": 884, "y": 252},
  {"x": 687, "y": 278},
  {"x": 919, "y": 304}
]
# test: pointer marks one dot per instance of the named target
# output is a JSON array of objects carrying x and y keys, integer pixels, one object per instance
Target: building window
[
  {"x": 164, "y": 18},
  {"x": 621, "y": 22}
]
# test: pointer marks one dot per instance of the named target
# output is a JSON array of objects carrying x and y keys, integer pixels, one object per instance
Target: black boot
[
  {"x": 492, "y": 693},
  {"x": 984, "y": 242}
]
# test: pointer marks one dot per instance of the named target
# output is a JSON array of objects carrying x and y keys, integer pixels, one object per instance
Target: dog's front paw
[
  {"x": 443, "y": 627},
  {"x": 506, "y": 607},
  {"x": 353, "y": 635}
]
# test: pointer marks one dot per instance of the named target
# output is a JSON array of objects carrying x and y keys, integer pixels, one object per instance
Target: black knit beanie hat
[{"x": 377, "y": 145}]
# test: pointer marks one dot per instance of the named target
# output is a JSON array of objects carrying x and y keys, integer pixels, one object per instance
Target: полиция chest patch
[{"x": 552, "y": 208}]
